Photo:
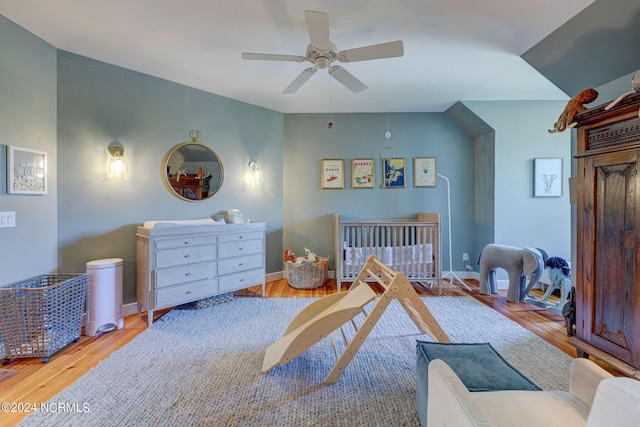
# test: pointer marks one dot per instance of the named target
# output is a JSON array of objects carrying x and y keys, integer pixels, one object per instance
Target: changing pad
[{"x": 184, "y": 222}]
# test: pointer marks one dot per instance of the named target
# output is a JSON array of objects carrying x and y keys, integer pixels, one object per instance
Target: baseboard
[
  {"x": 468, "y": 275},
  {"x": 129, "y": 309},
  {"x": 271, "y": 277},
  {"x": 132, "y": 308}
]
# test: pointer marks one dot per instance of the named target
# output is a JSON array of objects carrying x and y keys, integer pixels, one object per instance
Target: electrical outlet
[
  {"x": 7, "y": 219},
  {"x": 465, "y": 257}
]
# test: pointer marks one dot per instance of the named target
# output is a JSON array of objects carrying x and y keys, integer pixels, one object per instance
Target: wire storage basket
[
  {"x": 307, "y": 276},
  {"x": 41, "y": 315}
]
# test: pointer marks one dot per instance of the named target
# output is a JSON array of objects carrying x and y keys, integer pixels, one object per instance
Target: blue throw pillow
[{"x": 478, "y": 365}]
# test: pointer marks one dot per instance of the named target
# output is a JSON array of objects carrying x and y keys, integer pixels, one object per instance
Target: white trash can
[{"x": 104, "y": 296}]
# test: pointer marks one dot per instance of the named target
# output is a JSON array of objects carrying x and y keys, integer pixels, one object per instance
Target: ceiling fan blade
[
  {"x": 272, "y": 57},
  {"x": 347, "y": 79},
  {"x": 299, "y": 81},
  {"x": 376, "y": 51},
  {"x": 318, "y": 27}
]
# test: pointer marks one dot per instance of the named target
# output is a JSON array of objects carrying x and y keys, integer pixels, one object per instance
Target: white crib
[{"x": 410, "y": 246}]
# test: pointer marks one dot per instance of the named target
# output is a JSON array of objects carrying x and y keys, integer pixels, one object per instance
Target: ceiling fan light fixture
[{"x": 322, "y": 63}]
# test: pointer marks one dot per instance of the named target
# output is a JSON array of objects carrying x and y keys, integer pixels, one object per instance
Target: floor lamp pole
[{"x": 450, "y": 275}]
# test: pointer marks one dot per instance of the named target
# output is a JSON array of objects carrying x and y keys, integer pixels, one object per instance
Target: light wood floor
[{"x": 38, "y": 382}]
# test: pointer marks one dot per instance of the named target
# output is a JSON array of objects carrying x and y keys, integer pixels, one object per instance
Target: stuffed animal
[
  {"x": 635, "y": 88},
  {"x": 310, "y": 255},
  {"x": 517, "y": 262},
  {"x": 574, "y": 106},
  {"x": 180, "y": 172},
  {"x": 289, "y": 256}
]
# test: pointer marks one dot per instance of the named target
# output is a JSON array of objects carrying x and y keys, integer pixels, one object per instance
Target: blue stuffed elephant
[{"x": 518, "y": 262}]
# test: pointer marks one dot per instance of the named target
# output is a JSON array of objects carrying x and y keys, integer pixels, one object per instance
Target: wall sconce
[
  {"x": 254, "y": 175},
  {"x": 117, "y": 163}
]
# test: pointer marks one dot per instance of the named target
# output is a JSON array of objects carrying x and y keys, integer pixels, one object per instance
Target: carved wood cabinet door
[{"x": 609, "y": 241}]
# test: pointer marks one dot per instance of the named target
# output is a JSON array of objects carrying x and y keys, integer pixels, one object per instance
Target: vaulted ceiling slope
[
  {"x": 599, "y": 44},
  {"x": 453, "y": 49}
]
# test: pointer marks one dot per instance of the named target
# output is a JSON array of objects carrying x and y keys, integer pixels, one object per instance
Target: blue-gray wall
[
  {"x": 521, "y": 136},
  {"x": 99, "y": 103},
  {"x": 72, "y": 107},
  {"x": 308, "y": 210},
  {"x": 27, "y": 120}
]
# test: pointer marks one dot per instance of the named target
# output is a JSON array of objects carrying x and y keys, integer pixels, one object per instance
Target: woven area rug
[
  {"x": 6, "y": 373},
  {"x": 202, "y": 368}
]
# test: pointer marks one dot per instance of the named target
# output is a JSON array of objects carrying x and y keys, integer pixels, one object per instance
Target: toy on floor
[
  {"x": 309, "y": 258},
  {"x": 288, "y": 256},
  {"x": 559, "y": 278},
  {"x": 574, "y": 106},
  {"x": 518, "y": 262},
  {"x": 325, "y": 315}
]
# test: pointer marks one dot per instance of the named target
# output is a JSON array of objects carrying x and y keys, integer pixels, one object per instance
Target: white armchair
[{"x": 590, "y": 401}]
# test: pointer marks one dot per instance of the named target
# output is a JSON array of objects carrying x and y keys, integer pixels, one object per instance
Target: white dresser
[{"x": 180, "y": 264}]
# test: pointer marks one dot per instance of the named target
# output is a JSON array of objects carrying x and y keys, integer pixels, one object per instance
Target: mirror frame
[{"x": 195, "y": 135}]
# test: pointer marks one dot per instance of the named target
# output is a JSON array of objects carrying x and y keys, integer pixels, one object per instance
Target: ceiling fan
[{"x": 321, "y": 52}]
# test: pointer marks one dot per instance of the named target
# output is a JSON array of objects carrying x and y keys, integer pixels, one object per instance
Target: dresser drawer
[
  {"x": 233, "y": 265},
  {"x": 239, "y": 248},
  {"x": 234, "y": 237},
  {"x": 184, "y": 242},
  {"x": 181, "y": 256},
  {"x": 193, "y": 291},
  {"x": 242, "y": 280},
  {"x": 187, "y": 273}
]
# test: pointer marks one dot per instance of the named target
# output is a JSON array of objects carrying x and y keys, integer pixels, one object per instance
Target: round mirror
[{"x": 193, "y": 171}]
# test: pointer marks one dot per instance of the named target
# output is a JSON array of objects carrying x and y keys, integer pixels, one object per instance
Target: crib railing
[{"x": 411, "y": 246}]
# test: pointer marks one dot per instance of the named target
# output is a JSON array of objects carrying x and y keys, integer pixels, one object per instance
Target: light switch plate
[{"x": 7, "y": 219}]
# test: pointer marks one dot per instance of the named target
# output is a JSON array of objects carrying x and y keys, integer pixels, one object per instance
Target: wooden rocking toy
[{"x": 331, "y": 312}]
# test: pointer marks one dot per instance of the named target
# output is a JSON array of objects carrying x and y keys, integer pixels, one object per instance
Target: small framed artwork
[
  {"x": 424, "y": 171},
  {"x": 393, "y": 171},
  {"x": 26, "y": 171},
  {"x": 332, "y": 173},
  {"x": 547, "y": 177},
  {"x": 362, "y": 175}
]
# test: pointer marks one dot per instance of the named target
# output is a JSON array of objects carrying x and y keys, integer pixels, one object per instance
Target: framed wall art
[
  {"x": 424, "y": 171},
  {"x": 547, "y": 177},
  {"x": 362, "y": 173},
  {"x": 26, "y": 171},
  {"x": 332, "y": 174},
  {"x": 393, "y": 172}
]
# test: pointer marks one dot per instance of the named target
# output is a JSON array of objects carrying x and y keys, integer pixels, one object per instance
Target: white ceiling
[{"x": 453, "y": 49}]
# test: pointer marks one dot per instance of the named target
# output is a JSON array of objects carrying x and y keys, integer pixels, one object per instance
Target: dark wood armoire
[{"x": 607, "y": 270}]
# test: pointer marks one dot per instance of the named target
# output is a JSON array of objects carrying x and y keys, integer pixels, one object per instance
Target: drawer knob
[
  {"x": 187, "y": 274},
  {"x": 187, "y": 293},
  {"x": 187, "y": 256}
]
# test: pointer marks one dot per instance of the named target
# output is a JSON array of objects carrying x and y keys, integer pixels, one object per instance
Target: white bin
[{"x": 104, "y": 296}]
